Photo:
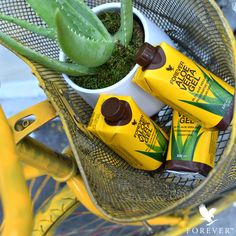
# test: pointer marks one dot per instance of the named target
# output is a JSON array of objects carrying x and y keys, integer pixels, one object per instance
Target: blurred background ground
[{"x": 19, "y": 90}]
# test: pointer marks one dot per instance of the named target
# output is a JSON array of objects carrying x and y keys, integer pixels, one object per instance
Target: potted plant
[{"x": 84, "y": 39}]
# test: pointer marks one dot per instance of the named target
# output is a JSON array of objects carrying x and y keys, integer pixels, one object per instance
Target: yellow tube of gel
[
  {"x": 191, "y": 147},
  {"x": 184, "y": 85},
  {"x": 120, "y": 124}
]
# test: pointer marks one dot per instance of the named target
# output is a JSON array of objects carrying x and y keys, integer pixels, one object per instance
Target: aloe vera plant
[
  {"x": 219, "y": 104},
  {"x": 184, "y": 150},
  {"x": 78, "y": 31},
  {"x": 158, "y": 152}
]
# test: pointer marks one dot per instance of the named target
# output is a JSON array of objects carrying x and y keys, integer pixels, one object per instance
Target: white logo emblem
[{"x": 207, "y": 215}]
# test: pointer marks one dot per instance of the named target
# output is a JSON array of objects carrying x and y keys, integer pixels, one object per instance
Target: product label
[
  {"x": 185, "y": 77},
  {"x": 144, "y": 129},
  {"x": 140, "y": 142},
  {"x": 190, "y": 142}
]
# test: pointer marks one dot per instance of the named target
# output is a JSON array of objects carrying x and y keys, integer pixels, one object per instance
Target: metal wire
[{"x": 122, "y": 192}]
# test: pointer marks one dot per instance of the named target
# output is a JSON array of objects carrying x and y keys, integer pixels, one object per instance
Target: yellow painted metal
[
  {"x": 77, "y": 186},
  {"x": 49, "y": 217},
  {"x": 43, "y": 112},
  {"x": 31, "y": 172},
  {"x": 195, "y": 220},
  {"x": 15, "y": 197},
  {"x": 164, "y": 220},
  {"x": 46, "y": 160}
]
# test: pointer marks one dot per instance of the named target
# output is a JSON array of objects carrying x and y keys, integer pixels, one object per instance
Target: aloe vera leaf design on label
[
  {"x": 219, "y": 104},
  {"x": 158, "y": 151},
  {"x": 184, "y": 150}
]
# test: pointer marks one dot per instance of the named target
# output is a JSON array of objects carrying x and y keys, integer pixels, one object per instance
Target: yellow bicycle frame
[
  {"x": 15, "y": 197},
  {"x": 41, "y": 160}
]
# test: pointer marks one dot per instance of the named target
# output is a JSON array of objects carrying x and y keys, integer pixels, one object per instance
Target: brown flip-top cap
[
  {"x": 145, "y": 55},
  {"x": 113, "y": 109},
  {"x": 150, "y": 57}
]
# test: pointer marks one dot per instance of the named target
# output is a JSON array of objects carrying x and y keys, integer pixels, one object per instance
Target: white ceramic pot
[{"x": 153, "y": 35}]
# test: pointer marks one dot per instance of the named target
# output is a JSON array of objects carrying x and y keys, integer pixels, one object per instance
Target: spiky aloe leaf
[
  {"x": 191, "y": 143},
  {"x": 207, "y": 99},
  {"x": 217, "y": 109},
  {"x": 80, "y": 33},
  {"x": 49, "y": 33},
  {"x": 218, "y": 104},
  {"x": 124, "y": 34},
  {"x": 82, "y": 50},
  {"x": 68, "y": 68},
  {"x": 176, "y": 145},
  {"x": 155, "y": 148},
  {"x": 159, "y": 151},
  {"x": 80, "y": 21},
  {"x": 220, "y": 93},
  {"x": 81, "y": 9},
  {"x": 179, "y": 137},
  {"x": 155, "y": 155},
  {"x": 185, "y": 151},
  {"x": 161, "y": 138},
  {"x": 45, "y": 9}
]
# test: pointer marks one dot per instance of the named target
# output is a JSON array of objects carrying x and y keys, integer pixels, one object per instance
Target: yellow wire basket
[{"x": 121, "y": 192}]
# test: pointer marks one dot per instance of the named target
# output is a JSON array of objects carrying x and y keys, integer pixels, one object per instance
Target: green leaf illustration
[
  {"x": 207, "y": 98},
  {"x": 213, "y": 108},
  {"x": 176, "y": 144},
  {"x": 220, "y": 93},
  {"x": 159, "y": 151},
  {"x": 154, "y": 148},
  {"x": 219, "y": 104},
  {"x": 179, "y": 137},
  {"x": 184, "y": 151},
  {"x": 155, "y": 155},
  {"x": 191, "y": 143},
  {"x": 161, "y": 138}
]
